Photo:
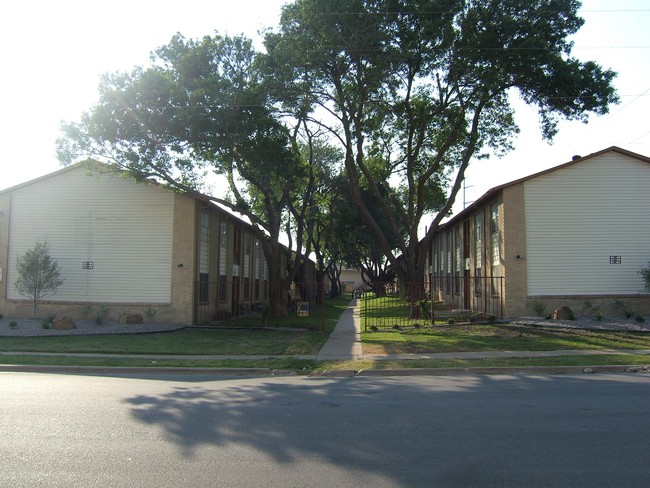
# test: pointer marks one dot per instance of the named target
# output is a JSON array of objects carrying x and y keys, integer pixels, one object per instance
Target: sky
[{"x": 54, "y": 52}]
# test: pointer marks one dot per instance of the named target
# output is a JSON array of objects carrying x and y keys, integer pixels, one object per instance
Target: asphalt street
[{"x": 478, "y": 431}]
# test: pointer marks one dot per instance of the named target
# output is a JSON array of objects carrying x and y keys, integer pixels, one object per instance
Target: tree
[
  {"x": 203, "y": 106},
  {"x": 426, "y": 87},
  {"x": 645, "y": 274},
  {"x": 323, "y": 160},
  {"x": 359, "y": 249},
  {"x": 38, "y": 274}
]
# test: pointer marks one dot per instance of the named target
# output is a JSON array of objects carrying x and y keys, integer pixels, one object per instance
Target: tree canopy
[
  {"x": 411, "y": 91},
  {"x": 202, "y": 106},
  {"x": 425, "y": 86}
]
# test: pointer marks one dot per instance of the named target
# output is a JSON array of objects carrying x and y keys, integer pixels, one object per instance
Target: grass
[
  {"x": 463, "y": 338},
  {"x": 393, "y": 310},
  {"x": 193, "y": 341},
  {"x": 302, "y": 341},
  {"x": 587, "y": 360},
  {"x": 306, "y": 366},
  {"x": 183, "y": 342},
  {"x": 288, "y": 363}
]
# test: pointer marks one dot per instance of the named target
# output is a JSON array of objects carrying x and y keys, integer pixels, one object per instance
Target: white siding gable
[
  {"x": 580, "y": 215},
  {"x": 123, "y": 228}
]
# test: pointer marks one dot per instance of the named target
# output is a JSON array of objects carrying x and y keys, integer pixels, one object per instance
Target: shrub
[
  {"x": 540, "y": 309},
  {"x": 87, "y": 311},
  {"x": 627, "y": 311},
  {"x": 150, "y": 313},
  {"x": 49, "y": 319},
  {"x": 396, "y": 326},
  {"x": 38, "y": 274},
  {"x": 645, "y": 274},
  {"x": 45, "y": 325},
  {"x": 374, "y": 328},
  {"x": 424, "y": 308},
  {"x": 101, "y": 314},
  {"x": 13, "y": 325},
  {"x": 450, "y": 321},
  {"x": 639, "y": 319},
  {"x": 1, "y": 316}
]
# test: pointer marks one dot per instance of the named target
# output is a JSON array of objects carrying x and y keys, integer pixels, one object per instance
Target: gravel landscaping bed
[
  {"x": 34, "y": 327},
  {"x": 607, "y": 323}
]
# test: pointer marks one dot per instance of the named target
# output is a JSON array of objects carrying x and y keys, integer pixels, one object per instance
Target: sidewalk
[{"x": 344, "y": 342}]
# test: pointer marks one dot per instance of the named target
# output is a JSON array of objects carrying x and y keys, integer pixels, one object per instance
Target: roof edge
[{"x": 492, "y": 191}]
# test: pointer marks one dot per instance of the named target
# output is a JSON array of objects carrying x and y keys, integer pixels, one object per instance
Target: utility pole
[{"x": 465, "y": 187}]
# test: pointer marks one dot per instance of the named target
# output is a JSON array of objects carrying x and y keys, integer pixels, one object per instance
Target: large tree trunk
[
  {"x": 413, "y": 283},
  {"x": 334, "y": 275},
  {"x": 416, "y": 296},
  {"x": 279, "y": 287}
]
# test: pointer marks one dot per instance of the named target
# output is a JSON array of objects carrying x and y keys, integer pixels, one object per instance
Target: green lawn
[
  {"x": 200, "y": 341},
  {"x": 587, "y": 360},
  {"x": 483, "y": 337},
  {"x": 306, "y": 366},
  {"x": 302, "y": 341}
]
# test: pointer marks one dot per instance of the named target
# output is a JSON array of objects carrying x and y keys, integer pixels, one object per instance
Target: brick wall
[{"x": 513, "y": 228}]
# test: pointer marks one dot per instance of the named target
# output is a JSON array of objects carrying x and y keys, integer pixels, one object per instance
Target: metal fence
[
  {"x": 216, "y": 302},
  {"x": 457, "y": 299}
]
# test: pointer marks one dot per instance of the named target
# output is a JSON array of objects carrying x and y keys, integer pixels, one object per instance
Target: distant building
[
  {"x": 351, "y": 280},
  {"x": 573, "y": 234},
  {"x": 131, "y": 246}
]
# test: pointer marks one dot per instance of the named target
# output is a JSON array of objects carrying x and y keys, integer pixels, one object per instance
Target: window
[
  {"x": 478, "y": 252},
  {"x": 435, "y": 257},
  {"x": 247, "y": 266},
  {"x": 257, "y": 255},
  {"x": 223, "y": 260},
  {"x": 204, "y": 255},
  {"x": 448, "y": 264},
  {"x": 458, "y": 255},
  {"x": 494, "y": 233}
]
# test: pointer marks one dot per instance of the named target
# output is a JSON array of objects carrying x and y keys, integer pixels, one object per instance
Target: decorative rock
[
  {"x": 64, "y": 323},
  {"x": 563, "y": 313},
  {"x": 131, "y": 318},
  {"x": 588, "y": 370},
  {"x": 638, "y": 369}
]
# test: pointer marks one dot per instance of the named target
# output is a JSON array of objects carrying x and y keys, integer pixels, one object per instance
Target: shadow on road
[{"x": 496, "y": 429}]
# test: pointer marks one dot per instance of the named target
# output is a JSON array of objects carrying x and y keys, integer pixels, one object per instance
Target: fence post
[
  {"x": 501, "y": 294},
  {"x": 364, "y": 296}
]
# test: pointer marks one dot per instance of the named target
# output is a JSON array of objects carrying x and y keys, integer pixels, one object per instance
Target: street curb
[
  {"x": 550, "y": 370},
  {"x": 336, "y": 373},
  {"x": 330, "y": 373},
  {"x": 101, "y": 370}
]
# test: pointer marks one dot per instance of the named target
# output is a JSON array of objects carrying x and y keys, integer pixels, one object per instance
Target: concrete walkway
[{"x": 344, "y": 342}]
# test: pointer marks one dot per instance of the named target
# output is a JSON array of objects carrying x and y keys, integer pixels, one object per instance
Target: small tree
[
  {"x": 38, "y": 274},
  {"x": 645, "y": 274}
]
